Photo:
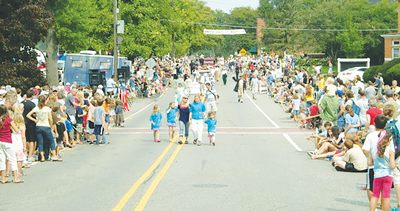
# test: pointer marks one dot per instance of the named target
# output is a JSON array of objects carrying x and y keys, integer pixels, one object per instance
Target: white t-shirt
[
  {"x": 42, "y": 115},
  {"x": 372, "y": 140},
  {"x": 110, "y": 85}
]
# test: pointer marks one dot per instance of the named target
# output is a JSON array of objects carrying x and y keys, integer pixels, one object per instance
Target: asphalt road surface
[{"x": 259, "y": 163}]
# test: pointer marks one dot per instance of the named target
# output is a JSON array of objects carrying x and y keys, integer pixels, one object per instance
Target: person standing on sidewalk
[
  {"x": 99, "y": 122},
  {"x": 30, "y": 132},
  {"x": 196, "y": 116}
]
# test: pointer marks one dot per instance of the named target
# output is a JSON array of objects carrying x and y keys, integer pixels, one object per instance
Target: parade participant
[
  {"x": 183, "y": 113},
  {"x": 43, "y": 127},
  {"x": 382, "y": 158},
  {"x": 224, "y": 74},
  {"x": 211, "y": 123},
  {"x": 196, "y": 116},
  {"x": 254, "y": 86},
  {"x": 240, "y": 87},
  {"x": 6, "y": 147},
  {"x": 171, "y": 120},
  {"x": 211, "y": 99},
  {"x": 155, "y": 120}
]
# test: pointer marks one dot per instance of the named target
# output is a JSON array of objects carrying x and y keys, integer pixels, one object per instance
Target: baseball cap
[{"x": 100, "y": 86}]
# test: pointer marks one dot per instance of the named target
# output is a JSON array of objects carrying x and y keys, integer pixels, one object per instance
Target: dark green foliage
[
  {"x": 370, "y": 72},
  {"x": 22, "y": 25}
]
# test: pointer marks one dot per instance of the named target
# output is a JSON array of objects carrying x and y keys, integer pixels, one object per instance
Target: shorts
[
  {"x": 30, "y": 134},
  {"x": 296, "y": 112},
  {"x": 255, "y": 90},
  {"x": 107, "y": 118},
  {"x": 98, "y": 130},
  {"x": 79, "y": 128},
  {"x": 71, "y": 134},
  {"x": 156, "y": 129},
  {"x": 383, "y": 185},
  {"x": 171, "y": 124},
  {"x": 370, "y": 178},
  {"x": 350, "y": 167},
  {"x": 119, "y": 118},
  {"x": 211, "y": 107}
]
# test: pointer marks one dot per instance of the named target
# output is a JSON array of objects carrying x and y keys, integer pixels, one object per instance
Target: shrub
[
  {"x": 392, "y": 74},
  {"x": 370, "y": 72}
]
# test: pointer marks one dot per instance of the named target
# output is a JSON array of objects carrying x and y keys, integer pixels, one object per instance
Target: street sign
[
  {"x": 150, "y": 63},
  {"x": 120, "y": 26},
  {"x": 243, "y": 52},
  {"x": 119, "y": 40}
]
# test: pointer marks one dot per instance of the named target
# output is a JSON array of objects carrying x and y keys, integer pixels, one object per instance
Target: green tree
[{"x": 22, "y": 25}]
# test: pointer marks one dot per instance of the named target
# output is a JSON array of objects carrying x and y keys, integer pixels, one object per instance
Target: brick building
[{"x": 392, "y": 42}]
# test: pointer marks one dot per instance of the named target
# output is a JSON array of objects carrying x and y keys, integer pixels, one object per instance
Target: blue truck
[{"x": 88, "y": 69}]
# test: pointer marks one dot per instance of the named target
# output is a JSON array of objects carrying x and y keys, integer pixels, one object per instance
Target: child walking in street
[
  {"x": 155, "y": 120},
  {"x": 382, "y": 158},
  {"x": 211, "y": 123},
  {"x": 296, "y": 107},
  {"x": 171, "y": 120}
]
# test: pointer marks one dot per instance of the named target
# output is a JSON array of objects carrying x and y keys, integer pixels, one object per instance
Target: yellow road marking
[
  {"x": 142, "y": 203},
  {"x": 139, "y": 182}
]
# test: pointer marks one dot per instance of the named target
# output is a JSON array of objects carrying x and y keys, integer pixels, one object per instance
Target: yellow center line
[
  {"x": 139, "y": 182},
  {"x": 142, "y": 203}
]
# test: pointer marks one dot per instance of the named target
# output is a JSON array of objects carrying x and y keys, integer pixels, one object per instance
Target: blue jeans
[
  {"x": 182, "y": 126},
  {"x": 103, "y": 140},
  {"x": 45, "y": 133}
]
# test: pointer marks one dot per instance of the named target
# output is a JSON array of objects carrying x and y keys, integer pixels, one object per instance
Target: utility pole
[
  {"x": 173, "y": 32},
  {"x": 115, "y": 40}
]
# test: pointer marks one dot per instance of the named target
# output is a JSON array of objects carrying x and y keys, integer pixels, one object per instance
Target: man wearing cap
[
  {"x": 100, "y": 90},
  {"x": 211, "y": 99},
  {"x": 390, "y": 100},
  {"x": 67, "y": 88}
]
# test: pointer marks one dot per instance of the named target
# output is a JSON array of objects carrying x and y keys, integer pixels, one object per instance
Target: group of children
[{"x": 172, "y": 117}]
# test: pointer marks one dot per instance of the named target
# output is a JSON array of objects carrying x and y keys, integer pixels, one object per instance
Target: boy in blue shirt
[{"x": 211, "y": 123}]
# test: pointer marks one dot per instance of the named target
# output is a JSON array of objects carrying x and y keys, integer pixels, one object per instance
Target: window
[
  {"x": 77, "y": 63},
  {"x": 396, "y": 52},
  {"x": 105, "y": 65},
  {"x": 396, "y": 43}
]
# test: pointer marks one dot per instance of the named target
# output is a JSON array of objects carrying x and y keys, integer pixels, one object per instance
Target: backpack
[
  {"x": 356, "y": 109},
  {"x": 391, "y": 127}
]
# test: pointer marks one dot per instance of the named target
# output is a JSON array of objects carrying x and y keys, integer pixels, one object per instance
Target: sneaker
[
  {"x": 186, "y": 142},
  {"x": 213, "y": 143},
  {"x": 158, "y": 141},
  {"x": 180, "y": 142},
  {"x": 198, "y": 143},
  {"x": 195, "y": 141}
]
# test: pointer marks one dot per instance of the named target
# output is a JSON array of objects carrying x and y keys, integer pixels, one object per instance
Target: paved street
[{"x": 259, "y": 163}]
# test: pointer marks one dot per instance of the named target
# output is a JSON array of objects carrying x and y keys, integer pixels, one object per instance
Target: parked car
[{"x": 351, "y": 73}]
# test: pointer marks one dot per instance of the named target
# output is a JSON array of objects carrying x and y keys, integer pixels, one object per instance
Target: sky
[{"x": 228, "y": 5}]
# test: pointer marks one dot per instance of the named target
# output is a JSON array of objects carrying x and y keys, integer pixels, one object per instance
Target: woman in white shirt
[{"x": 43, "y": 127}]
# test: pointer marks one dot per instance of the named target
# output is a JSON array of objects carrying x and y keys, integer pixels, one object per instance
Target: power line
[{"x": 279, "y": 28}]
